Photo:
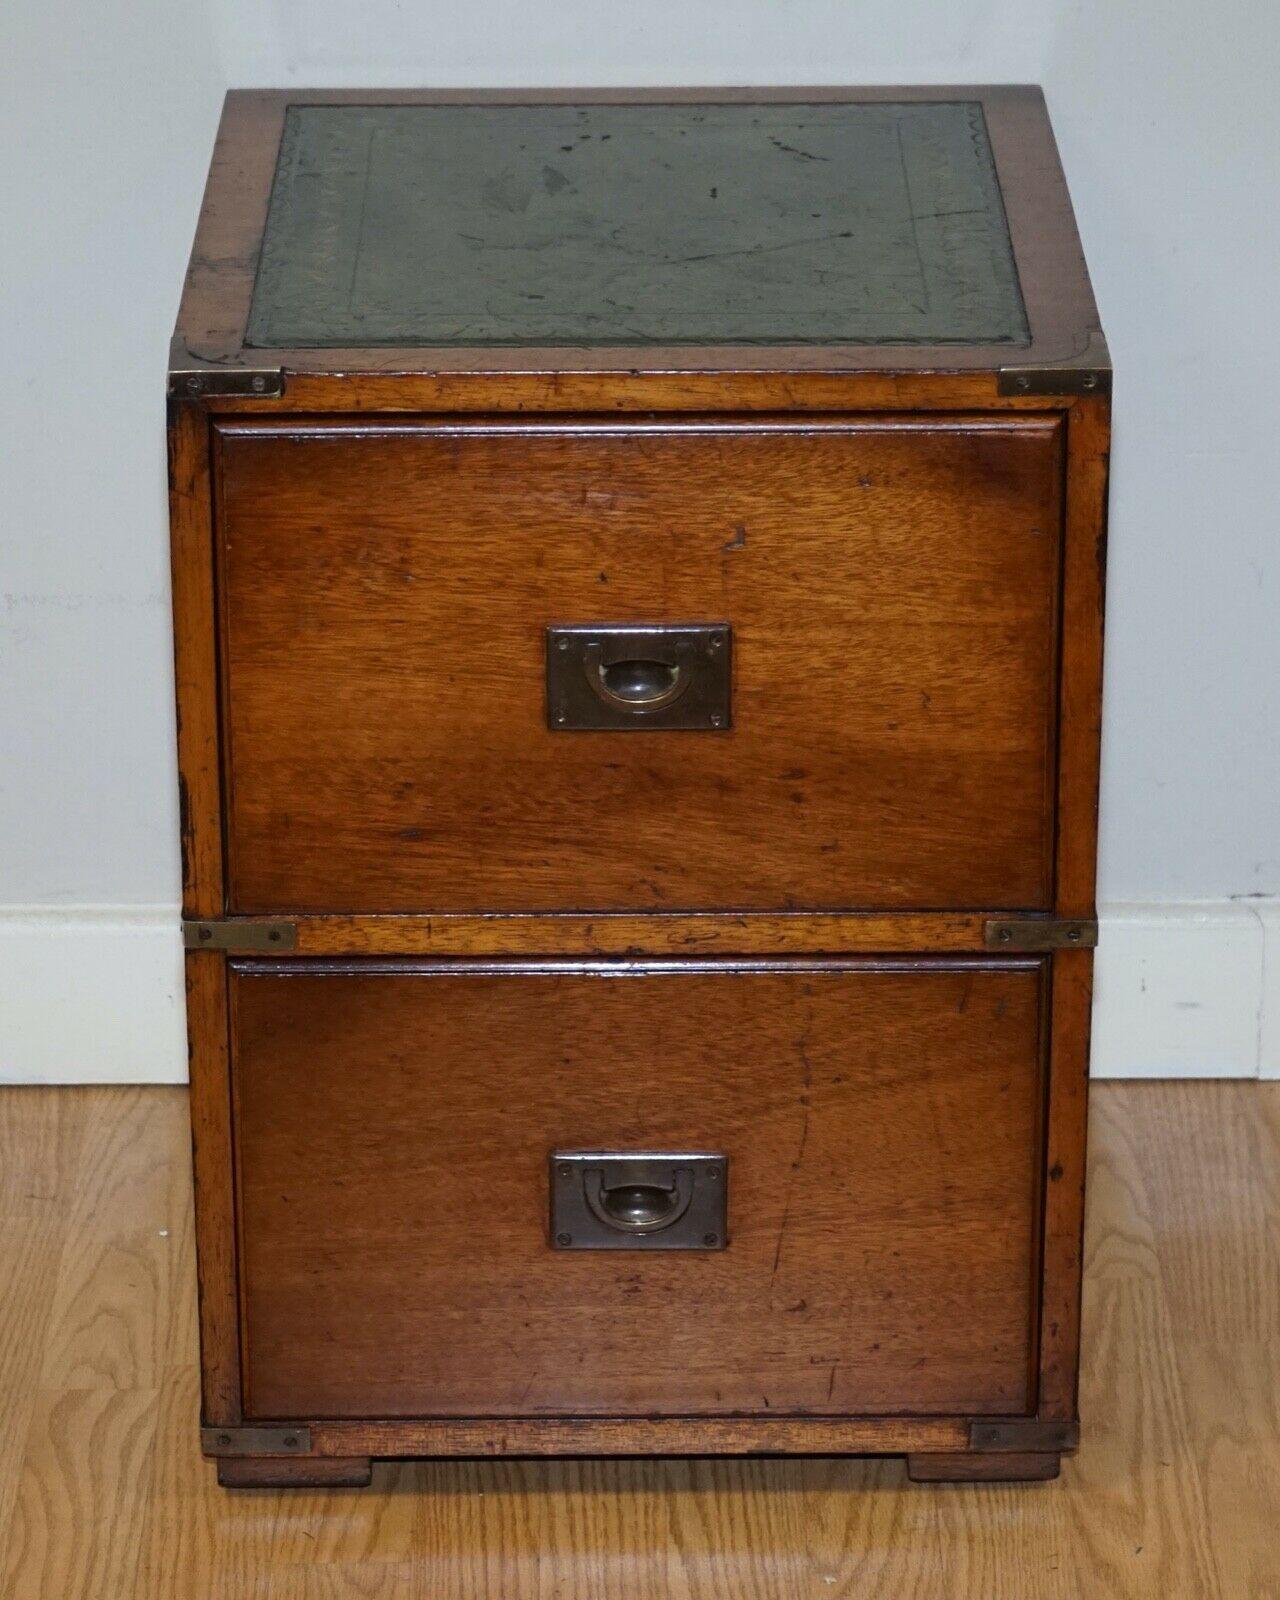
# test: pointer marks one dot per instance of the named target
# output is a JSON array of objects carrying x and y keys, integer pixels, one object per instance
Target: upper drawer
[{"x": 891, "y": 586}]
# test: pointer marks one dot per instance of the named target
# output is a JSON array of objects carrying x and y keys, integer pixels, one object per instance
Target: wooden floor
[{"x": 1175, "y": 1492}]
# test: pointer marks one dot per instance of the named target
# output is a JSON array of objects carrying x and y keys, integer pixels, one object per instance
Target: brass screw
[
  {"x": 564, "y": 1238},
  {"x": 224, "y": 1439},
  {"x": 206, "y": 934},
  {"x": 290, "y": 1441},
  {"x": 274, "y": 935},
  {"x": 1005, "y": 935},
  {"x": 195, "y": 385},
  {"x": 710, "y": 1239},
  {"x": 1091, "y": 380},
  {"x": 258, "y": 385}
]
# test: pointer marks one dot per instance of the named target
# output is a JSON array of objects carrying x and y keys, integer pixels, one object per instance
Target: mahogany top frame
[{"x": 1065, "y": 337}]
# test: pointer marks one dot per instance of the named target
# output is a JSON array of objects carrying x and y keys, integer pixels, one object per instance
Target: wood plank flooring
[{"x": 1175, "y": 1492}]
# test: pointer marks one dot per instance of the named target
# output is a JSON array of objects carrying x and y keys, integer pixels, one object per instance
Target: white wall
[{"x": 1168, "y": 116}]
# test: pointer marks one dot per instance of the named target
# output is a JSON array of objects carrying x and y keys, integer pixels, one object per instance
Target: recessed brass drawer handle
[
  {"x": 640, "y": 1207},
  {"x": 638, "y": 1200},
  {"x": 631, "y": 678},
  {"x": 634, "y": 681}
]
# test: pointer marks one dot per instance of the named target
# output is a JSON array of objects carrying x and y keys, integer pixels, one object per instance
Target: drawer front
[
  {"x": 891, "y": 591},
  {"x": 880, "y": 1121}
]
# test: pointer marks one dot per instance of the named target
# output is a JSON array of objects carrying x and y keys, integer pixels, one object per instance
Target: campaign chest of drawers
[{"x": 637, "y": 569}]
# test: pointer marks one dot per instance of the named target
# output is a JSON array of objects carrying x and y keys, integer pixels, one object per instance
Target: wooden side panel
[
  {"x": 393, "y": 1123},
  {"x": 1062, "y": 1263},
  {"x": 214, "y": 1186},
  {"x": 892, "y": 590},
  {"x": 195, "y": 660},
  {"x": 1083, "y": 590},
  {"x": 196, "y": 673},
  {"x": 1084, "y": 584}
]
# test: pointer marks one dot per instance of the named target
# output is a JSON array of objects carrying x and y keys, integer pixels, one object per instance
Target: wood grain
[
  {"x": 1222, "y": 1285},
  {"x": 82, "y": 1495},
  {"x": 1063, "y": 1179},
  {"x": 983, "y": 1467},
  {"x": 182, "y": 1524},
  {"x": 892, "y": 589},
  {"x": 1084, "y": 568},
  {"x": 1232, "y": 1391},
  {"x": 195, "y": 661},
  {"x": 30, "y": 1255},
  {"x": 120, "y": 1279},
  {"x": 41, "y": 1138},
  {"x": 267, "y": 1472},
  {"x": 1172, "y": 1493},
  {"x": 215, "y": 1226},
  {"x": 493, "y": 393},
  {"x": 879, "y": 1123},
  {"x": 197, "y": 1540},
  {"x": 618, "y": 934},
  {"x": 1135, "y": 1495},
  {"x": 629, "y": 1436}
]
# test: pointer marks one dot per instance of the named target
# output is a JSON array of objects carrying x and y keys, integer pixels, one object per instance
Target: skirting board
[
  {"x": 1188, "y": 989},
  {"x": 93, "y": 994}
]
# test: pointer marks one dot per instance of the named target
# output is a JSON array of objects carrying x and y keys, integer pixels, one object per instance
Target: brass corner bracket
[
  {"x": 1040, "y": 933},
  {"x": 1019, "y": 1434},
  {"x": 256, "y": 1441},
  {"x": 191, "y": 378},
  {"x": 229, "y": 933},
  {"x": 1014, "y": 381}
]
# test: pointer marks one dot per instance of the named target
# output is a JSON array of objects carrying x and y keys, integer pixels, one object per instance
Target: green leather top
[{"x": 636, "y": 225}]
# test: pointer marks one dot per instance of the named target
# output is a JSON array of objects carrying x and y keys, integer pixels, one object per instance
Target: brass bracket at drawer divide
[
  {"x": 1044, "y": 933},
  {"x": 256, "y": 1441},
  {"x": 193, "y": 379},
  {"x": 1012, "y": 381},
  {"x": 229, "y": 934},
  {"x": 1020, "y": 1434}
]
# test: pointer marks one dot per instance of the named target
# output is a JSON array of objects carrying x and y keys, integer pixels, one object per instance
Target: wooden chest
[{"x": 637, "y": 568}]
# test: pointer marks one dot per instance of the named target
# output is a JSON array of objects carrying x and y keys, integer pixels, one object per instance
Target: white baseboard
[
  {"x": 1188, "y": 990},
  {"x": 93, "y": 994}
]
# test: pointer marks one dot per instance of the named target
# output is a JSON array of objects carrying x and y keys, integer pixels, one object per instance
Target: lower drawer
[{"x": 881, "y": 1123}]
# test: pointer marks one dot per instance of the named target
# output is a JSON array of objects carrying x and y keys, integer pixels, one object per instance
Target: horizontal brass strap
[{"x": 288, "y": 1441}]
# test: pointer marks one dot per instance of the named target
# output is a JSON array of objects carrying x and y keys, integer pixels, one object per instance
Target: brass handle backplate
[
  {"x": 638, "y": 1200},
  {"x": 656, "y": 678}
]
